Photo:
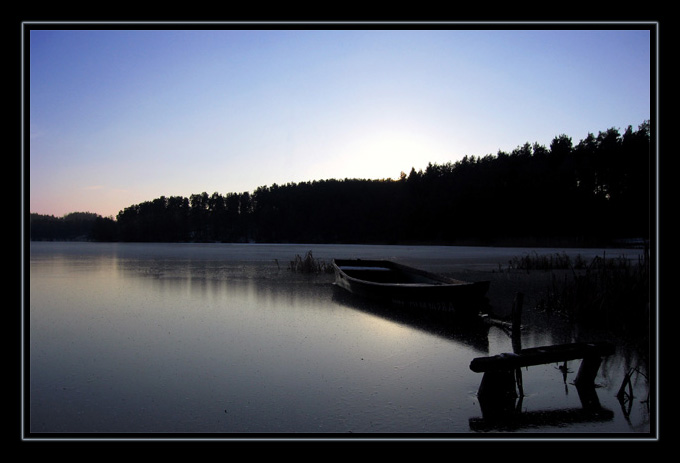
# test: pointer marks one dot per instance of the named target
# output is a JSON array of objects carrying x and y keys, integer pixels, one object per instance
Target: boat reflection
[{"x": 470, "y": 331}]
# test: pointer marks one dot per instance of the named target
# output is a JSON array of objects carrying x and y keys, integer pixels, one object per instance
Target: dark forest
[{"x": 590, "y": 193}]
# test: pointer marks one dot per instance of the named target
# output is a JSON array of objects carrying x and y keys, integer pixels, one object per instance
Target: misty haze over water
[{"x": 223, "y": 338}]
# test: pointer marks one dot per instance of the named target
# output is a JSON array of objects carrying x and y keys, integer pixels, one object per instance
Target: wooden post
[
  {"x": 497, "y": 384},
  {"x": 517, "y": 337},
  {"x": 497, "y": 395},
  {"x": 517, "y": 323},
  {"x": 587, "y": 372},
  {"x": 588, "y": 396},
  {"x": 517, "y": 310}
]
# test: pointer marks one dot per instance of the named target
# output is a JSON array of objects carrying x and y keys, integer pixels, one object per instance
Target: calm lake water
[{"x": 222, "y": 340}]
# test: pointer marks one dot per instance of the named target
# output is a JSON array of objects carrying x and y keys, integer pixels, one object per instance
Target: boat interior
[{"x": 380, "y": 274}]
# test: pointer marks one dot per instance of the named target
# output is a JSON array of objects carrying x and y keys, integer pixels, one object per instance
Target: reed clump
[
  {"x": 611, "y": 292},
  {"x": 534, "y": 261},
  {"x": 309, "y": 264}
]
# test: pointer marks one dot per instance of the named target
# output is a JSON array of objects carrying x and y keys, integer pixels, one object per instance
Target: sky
[{"x": 120, "y": 117}]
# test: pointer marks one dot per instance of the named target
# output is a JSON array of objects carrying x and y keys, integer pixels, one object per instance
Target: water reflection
[
  {"x": 212, "y": 339},
  {"x": 471, "y": 332},
  {"x": 160, "y": 345},
  {"x": 512, "y": 418}
]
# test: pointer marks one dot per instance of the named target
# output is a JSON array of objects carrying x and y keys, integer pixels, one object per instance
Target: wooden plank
[{"x": 540, "y": 356}]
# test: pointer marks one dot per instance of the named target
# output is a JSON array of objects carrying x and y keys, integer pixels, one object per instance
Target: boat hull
[{"x": 396, "y": 283}]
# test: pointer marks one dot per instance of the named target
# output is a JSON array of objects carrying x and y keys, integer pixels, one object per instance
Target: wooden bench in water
[{"x": 499, "y": 369}]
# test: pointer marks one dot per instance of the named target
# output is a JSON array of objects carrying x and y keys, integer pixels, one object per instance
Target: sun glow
[
  {"x": 175, "y": 112},
  {"x": 385, "y": 154}
]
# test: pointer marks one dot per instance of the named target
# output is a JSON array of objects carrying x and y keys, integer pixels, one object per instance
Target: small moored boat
[{"x": 389, "y": 281}]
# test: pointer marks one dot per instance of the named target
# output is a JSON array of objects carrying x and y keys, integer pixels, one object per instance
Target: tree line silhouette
[{"x": 584, "y": 194}]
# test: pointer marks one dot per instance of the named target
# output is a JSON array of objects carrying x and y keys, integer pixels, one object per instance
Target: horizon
[
  {"x": 120, "y": 117},
  {"x": 251, "y": 192}
]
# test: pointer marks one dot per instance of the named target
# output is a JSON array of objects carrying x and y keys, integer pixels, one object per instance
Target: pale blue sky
[{"x": 122, "y": 117}]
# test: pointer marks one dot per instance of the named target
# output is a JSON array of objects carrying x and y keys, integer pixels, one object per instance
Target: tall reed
[
  {"x": 610, "y": 292},
  {"x": 534, "y": 261},
  {"x": 309, "y": 264}
]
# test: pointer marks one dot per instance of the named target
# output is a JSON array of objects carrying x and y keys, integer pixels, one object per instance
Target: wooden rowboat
[{"x": 389, "y": 281}]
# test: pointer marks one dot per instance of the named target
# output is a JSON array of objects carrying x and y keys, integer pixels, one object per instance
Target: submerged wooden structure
[
  {"x": 499, "y": 370},
  {"x": 393, "y": 282}
]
